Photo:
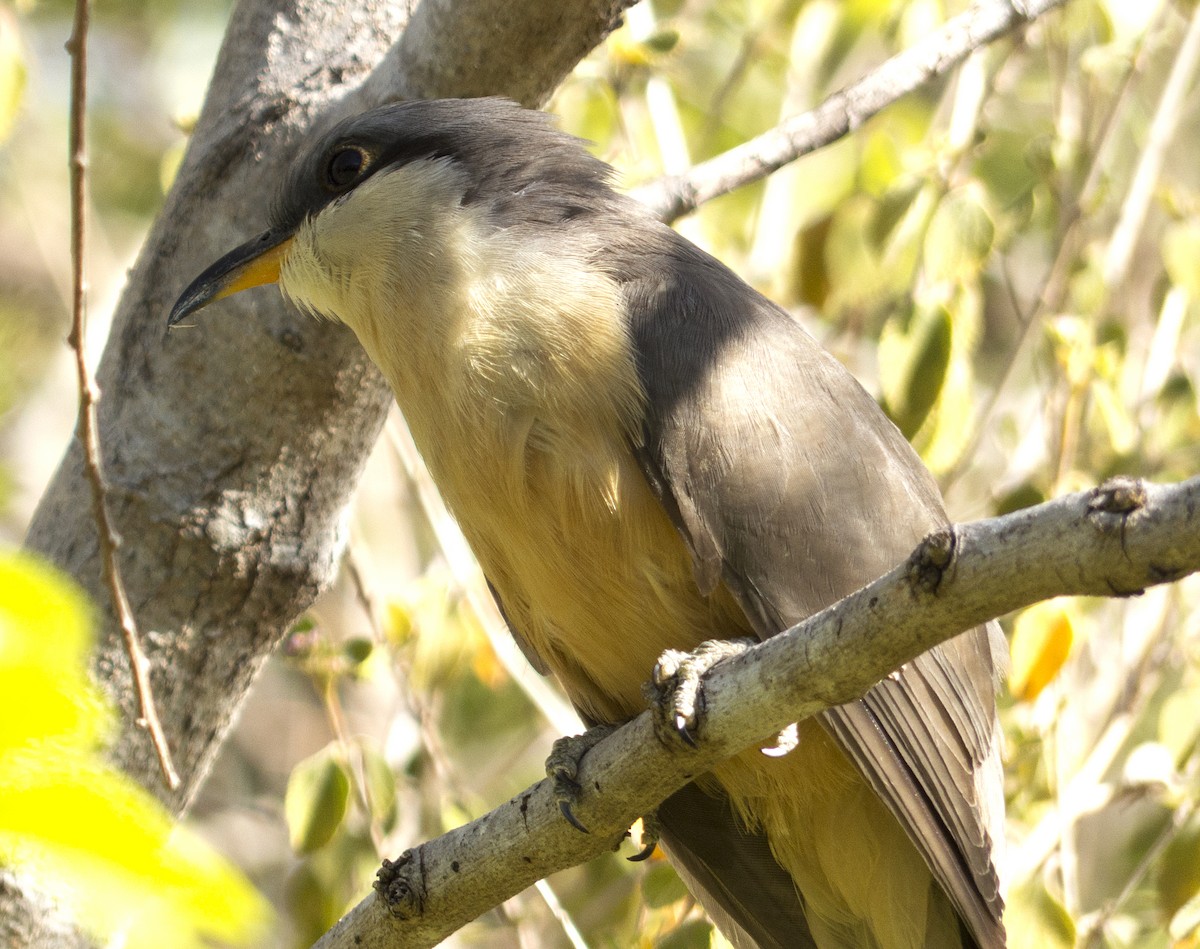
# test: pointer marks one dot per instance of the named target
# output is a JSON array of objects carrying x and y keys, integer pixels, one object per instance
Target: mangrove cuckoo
[{"x": 645, "y": 453}]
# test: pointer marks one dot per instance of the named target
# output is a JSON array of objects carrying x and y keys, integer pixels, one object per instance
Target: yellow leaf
[
  {"x": 73, "y": 825},
  {"x": 81, "y": 830},
  {"x": 1041, "y": 642},
  {"x": 12, "y": 72},
  {"x": 44, "y": 643}
]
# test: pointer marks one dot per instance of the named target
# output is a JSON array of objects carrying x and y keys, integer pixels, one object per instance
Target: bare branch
[
  {"x": 674, "y": 196},
  {"x": 89, "y": 396},
  {"x": 1115, "y": 540}
]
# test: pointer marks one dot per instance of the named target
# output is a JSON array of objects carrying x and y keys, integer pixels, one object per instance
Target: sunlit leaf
[
  {"x": 1123, "y": 432},
  {"x": 1181, "y": 256},
  {"x": 317, "y": 797},
  {"x": 168, "y": 166},
  {"x": 398, "y": 626},
  {"x": 44, "y": 641},
  {"x": 72, "y": 824},
  {"x": 12, "y": 72},
  {"x": 1033, "y": 917},
  {"x": 1178, "y": 723},
  {"x": 85, "y": 832},
  {"x": 1041, "y": 642},
  {"x": 588, "y": 109}
]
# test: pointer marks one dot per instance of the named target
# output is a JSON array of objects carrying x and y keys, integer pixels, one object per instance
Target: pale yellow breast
[{"x": 530, "y": 445}]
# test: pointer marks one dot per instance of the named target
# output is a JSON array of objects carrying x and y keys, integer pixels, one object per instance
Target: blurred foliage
[
  {"x": 979, "y": 255},
  {"x": 74, "y": 824}
]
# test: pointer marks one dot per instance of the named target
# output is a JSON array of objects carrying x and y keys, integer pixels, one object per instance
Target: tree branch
[
  {"x": 673, "y": 196},
  {"x": 1115, "y": 540}
]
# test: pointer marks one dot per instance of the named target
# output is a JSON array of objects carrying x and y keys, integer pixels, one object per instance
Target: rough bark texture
[{"x": 232, "y": 452}]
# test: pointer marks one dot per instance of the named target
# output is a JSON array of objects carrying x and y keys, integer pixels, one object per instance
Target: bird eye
[{"x": 344, "y": 166}]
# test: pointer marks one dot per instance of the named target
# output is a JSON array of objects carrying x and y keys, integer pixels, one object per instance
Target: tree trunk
[{"x": 231, "y": 453}]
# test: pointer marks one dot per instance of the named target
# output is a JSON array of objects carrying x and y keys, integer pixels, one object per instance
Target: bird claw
[
  {"x": 651, "y": 831},
  {"x": 676, "y": 689},
  {"x": 562, "y": 767},
  {"x": 564, "y": 808}
]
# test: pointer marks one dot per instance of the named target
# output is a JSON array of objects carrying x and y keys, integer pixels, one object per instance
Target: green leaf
[
  {"x": 1034, "y": 917},
  {"x": 1179, "y": 870},
  {"x": 693, "y": 934},
  {"x": 318, "y": 794},
  {"x": 661, "y": 886},
  {"x": 891, "y": 210},
  {"x": 1022, "y": 496},
  {"x": 912, "y": 366},
  {"x": 663, "y": 40},
  {"x": 358, "y": 649}
]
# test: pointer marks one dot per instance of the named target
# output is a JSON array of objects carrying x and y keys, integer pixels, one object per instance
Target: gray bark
[{"x": 231, "y": 453}]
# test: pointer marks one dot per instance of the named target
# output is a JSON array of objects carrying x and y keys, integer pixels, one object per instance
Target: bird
[{"x": 647, "y": 454}]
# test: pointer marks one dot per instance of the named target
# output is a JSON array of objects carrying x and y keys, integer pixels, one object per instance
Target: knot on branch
[
  {"x": 401, "y": 886},
  {"x": 929, "y": 563},
  {"x": 1112, "y": 502}
]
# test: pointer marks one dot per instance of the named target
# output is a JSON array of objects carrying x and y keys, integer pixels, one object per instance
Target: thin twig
[
  {"x": 672, "y": 197},
  {"x": 89, "y": 396}
]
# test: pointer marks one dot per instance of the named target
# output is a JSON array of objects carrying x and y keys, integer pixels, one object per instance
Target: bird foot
[
  {"x": 676, "y": 692},
  {"x": 562, "y": 767},
  {"x": 651, "y": 832}
]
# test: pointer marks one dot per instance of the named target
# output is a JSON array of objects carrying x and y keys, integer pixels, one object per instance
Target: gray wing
[
  {"x": 732, "y": 872},
  {"x": 792, "y": 487}
]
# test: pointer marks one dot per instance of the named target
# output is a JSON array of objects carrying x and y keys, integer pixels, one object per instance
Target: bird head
[{"x": 376, "y": 206}]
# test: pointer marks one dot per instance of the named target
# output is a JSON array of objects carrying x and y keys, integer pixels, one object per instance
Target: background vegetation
[{"x": 1010, "y": 259}]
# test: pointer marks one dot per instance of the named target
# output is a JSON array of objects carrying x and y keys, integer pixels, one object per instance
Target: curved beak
[{"x": 251, "y": 265}]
